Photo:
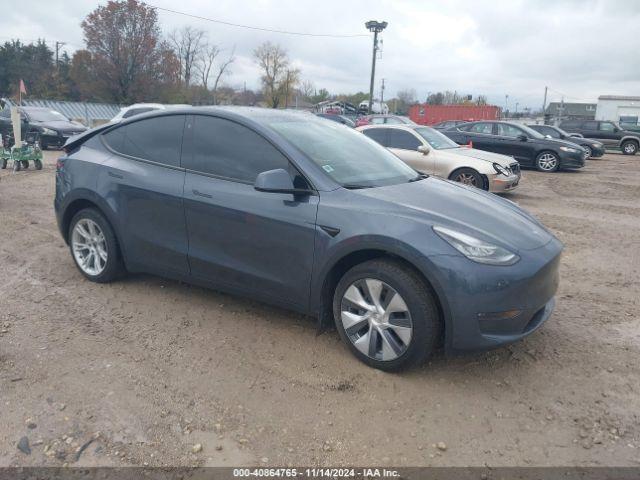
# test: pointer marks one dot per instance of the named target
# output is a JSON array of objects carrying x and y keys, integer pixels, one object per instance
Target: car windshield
[
  {"x": 45, "y": 115},
  {"x": 531, "y": 132},
  {"x": 346, "y": 155},
  {"x": 435, "y": 139}
]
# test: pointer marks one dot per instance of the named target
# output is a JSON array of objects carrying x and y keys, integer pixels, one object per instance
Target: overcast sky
[{"x": 579, "y": 48}]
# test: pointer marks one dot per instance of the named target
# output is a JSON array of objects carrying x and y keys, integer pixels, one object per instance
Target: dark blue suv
[{"x": 308, "y": 214}]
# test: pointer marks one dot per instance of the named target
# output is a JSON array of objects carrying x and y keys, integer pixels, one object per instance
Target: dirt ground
[{"x": 148, "y": 371}]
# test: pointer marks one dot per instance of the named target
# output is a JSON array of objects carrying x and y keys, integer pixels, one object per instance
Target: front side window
[
  {"x": 486, "y": 128},
  {"x": 157, "y": 139},
  {"x": 227, "y": 149},
  {"x": 347, "y": 156},
  {"x": 607, "y": 127},
  {"x": 403, "y": 140},
  {"x": 506, "y": 130}
]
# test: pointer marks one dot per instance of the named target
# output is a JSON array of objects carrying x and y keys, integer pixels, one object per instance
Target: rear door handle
[
  {"x": 200, "y": 194},
  {"x": 115, "y": 175}
]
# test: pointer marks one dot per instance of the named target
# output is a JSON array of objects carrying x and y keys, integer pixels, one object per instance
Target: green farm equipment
[{"x": 20, "y": 157}]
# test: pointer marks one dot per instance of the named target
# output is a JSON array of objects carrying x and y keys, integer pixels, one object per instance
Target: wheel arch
[
  {"x": 322, "y": 296},
  {"x": 87, "y": 199}
]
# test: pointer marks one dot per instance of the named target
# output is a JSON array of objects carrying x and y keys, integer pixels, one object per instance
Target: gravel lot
[{"x": 151, "y": 371}]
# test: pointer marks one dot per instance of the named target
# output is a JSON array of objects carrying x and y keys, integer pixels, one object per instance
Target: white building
[{"x": 618, "y": 108}]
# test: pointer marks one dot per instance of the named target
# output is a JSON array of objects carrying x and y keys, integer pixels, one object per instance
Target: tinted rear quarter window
[
  {"x": 227, "y": 149},
  {"x": 157, "y": 139},
  {"x": 590, "y": 126}
]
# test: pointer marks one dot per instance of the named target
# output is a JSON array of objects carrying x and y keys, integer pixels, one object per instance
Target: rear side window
[
  {"x": 157, "y": 139},
  {"x": 590, "y": 126},
  {"x": 227, "y": 149},
  {"x": 403, "y": 140},
  {"x": 377, "y": 134}
]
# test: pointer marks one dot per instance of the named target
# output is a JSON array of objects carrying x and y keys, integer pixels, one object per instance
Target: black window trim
[
  {"x": 145, "y": 160},
  {"x": 313, "y": 190}
]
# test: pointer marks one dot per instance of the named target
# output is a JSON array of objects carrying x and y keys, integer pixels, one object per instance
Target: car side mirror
[
  {"x": 423, "y": 149},
  {"x": 277, "y": 181},
  {"x": 522, "y": 137}
]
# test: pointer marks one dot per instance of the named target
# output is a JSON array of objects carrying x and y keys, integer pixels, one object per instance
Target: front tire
[
  {"x": 16, "y": 166},
  {"x": 38, "y": 164},
  {"x": 629, "y": 147},
  {"x": 589, "y": 151},
  {"x": 547, "y": 162},
  {"x": 468, "y": 176},
  {"x": 94, "y": 247},
  {"x": 386, "y": 314}
]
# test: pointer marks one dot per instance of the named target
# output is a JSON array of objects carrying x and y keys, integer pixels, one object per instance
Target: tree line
[{"x": 127, "y": 59}]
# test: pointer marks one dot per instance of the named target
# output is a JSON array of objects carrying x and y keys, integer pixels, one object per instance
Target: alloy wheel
[
  {"x": 376, "y": 319},
  {"x": 630, "y": 148},
  {"x": 467, "y": 179},
  {"x": 89, "y": 247},
  {"x": 589, "y": 151},
  {"x": 547, "y": 162}
]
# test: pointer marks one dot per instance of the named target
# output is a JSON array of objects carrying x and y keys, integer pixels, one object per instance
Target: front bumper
[
  {"x": 573, "y": 160},
  {"x": 489, "y": 306},
  {"x": 597, "y": 152},
  {"x": 501, "y": 184}
]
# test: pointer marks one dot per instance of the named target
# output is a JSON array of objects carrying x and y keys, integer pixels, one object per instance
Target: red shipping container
[{"x": 431, "y": 114}]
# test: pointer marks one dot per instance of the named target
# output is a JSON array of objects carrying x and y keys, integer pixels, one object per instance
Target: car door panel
[
  {"x": 144, "y": 181},
  {"x": 258, "y": 242},
  {"x": 150, "y": 211}
]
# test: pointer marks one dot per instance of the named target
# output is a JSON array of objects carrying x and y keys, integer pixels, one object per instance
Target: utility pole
[
  {"x": 544, "y": 102},
  {"x": 375, "y": 27},
  {"x": 517, "y": 108},
  {"x": 58, "y": 45},
  {"x": 506, "y": 105},
  {"x": 382, "y": 93}
]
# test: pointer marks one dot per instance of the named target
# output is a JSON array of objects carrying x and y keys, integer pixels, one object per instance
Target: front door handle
[{"x": 200, "y": 194}]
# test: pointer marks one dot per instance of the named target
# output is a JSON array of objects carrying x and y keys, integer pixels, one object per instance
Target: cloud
[{"x": 579, "y": 48}]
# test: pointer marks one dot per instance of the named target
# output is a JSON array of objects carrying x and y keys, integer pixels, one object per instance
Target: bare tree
[
  {"x": 274, "y": 63},
  {"x": 307, "y": 88},
  {"x": 206, "y": 61},
  {"x": 223, "y": 68},
  {"x": 188, "y": 44}
]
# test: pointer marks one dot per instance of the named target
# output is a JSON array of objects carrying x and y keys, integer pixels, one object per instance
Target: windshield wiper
[
  {"x": 420, "y": 176},
  {"x": 355, "y": 186}
]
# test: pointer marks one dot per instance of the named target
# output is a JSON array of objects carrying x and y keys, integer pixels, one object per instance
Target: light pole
[{"x": 375, "y": 27}]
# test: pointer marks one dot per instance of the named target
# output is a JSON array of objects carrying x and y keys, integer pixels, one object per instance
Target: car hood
[
  {"x": 62, "y": 126},
  {"x": 490, "y": 157},
  {"x": 466, "y": 209}
]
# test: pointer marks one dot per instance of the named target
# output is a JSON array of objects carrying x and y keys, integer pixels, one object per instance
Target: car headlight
[
  {"x": 48, "y": 131},
  {"x": 500, "y": 169},
  {"x": 569, "y": 149},
  {"x": 476, "y": 249}
]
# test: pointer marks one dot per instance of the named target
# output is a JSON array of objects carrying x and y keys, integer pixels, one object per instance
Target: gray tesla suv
[{"x": 310, "y": 215}]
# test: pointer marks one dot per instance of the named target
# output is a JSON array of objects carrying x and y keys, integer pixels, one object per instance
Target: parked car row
[
  {"x": 528, "y": 147},
  {"x": 308, "y": 214},
  {"x": 608, "y": 133},
  {"x": 53, "y": 128}
]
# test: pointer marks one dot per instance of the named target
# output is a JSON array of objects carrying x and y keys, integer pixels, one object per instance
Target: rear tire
[
  {"x": 37, "y": 164},
  {"x": 468, "y": 176},
  {"x": 629, "y": 147},
  {"x": 16, "y": 166},
  {"x": 589, "y": 151},
  {"x": 547, "y": 162},
  {"x": 393, "y": 291},
  {"x": 25, "y": 164},
  {"x": 91, "y": 223},
  {"x": 4, "y": 163}
]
